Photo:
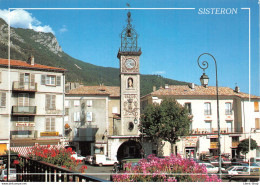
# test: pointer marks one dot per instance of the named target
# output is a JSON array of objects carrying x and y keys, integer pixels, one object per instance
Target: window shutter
[
  {"x": 47, "y": 101},
  {"x": 26, "y": 99},
  {"x": 53, "y": 102},
  {"x": 32, "y": 79},
  {"x": 52, "y": 124},
  {"x": 43, "y": 78},
  {"x": 58, "y": 81},
  {"x": 48, "y": 124},
  {"x": 21, "y": 79},
  {"x": 3, "y": 99},
  {"x": 257, "y": 123},
  {"x": 256, "y": 105}
]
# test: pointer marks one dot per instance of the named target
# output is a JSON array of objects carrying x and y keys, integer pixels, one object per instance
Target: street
[{"x": 96, "y": 171}]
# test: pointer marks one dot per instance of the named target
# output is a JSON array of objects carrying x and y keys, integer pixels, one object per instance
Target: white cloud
[
  {"x": 63, "y": 29},
  {"x": 22, "y": 19},
  {"x": 159, "y": 72}
]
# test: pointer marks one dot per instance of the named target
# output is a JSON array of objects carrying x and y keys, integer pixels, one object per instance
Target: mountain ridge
[{"x": 47, "y": 51}]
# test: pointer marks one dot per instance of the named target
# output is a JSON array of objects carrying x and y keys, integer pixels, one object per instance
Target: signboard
[
  {"x": 190, "y": 141},
  {"x": 49, "y": 133},
  {"x": 25, "y": 124}
]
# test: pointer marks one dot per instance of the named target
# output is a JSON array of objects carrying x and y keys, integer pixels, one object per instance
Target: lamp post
[{"x": 204, "y": 79}]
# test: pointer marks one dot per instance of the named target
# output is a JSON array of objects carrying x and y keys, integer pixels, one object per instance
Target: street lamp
[{"x": 204, "y": 79}]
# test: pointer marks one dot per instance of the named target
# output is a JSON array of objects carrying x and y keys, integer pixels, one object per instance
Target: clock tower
[{"x": 129, "y": 55}]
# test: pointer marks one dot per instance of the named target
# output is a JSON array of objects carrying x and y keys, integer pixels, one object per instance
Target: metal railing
[
  {"x": 17, "y": 134},
  {"x": 24, "y": 86},
  {"x": 23, "y": 110},
  {"x": 37, "y": 171},
  {"x": 215, "y": 131}
]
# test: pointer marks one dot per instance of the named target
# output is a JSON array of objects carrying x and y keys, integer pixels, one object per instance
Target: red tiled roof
[
  {"x": 185, "y": 90},
  {"x": 23, "y": 64},
  {"x": 112, "y": 91}
]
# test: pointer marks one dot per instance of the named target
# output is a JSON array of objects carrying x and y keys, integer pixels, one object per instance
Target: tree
[
  {"x": 167, "y": 121},
  {"x": 243, "y": 146}
]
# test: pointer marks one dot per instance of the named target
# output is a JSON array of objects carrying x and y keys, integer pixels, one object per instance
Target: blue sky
[{"x": 171, "y": 40}]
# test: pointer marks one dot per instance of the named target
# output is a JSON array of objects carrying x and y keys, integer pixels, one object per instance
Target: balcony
[
  {"x": 24, "y": 110},
  {"x": 214, "y": 131},
  {"x": 24, "y": 86},
  {"x": 23, "y": 134}
]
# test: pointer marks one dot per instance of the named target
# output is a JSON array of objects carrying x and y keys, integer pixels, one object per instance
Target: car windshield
[{"x": 230, "y": 168}]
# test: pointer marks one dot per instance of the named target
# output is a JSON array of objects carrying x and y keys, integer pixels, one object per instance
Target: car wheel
[{"x": 100, "y": 164}]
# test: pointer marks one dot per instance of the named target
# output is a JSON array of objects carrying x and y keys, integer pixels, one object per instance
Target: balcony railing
[
  {"x": 215, "y": 131},
  {"x": 38, "y": 171},
  {"x": 24, "y": 110},
  {"x": 24, "y": 86},
  {"x": 22, "y": 134}
]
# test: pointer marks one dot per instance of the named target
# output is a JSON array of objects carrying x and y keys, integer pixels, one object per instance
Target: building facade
[
  {"x": 89, "y": 114},
  {"x": 32, "y": 98},
  {"x": 239, "y": 119}
]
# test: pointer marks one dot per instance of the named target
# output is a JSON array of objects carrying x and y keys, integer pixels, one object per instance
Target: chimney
[
  {"x": 166, "y": 86},
  {"x": 237, "y": 89},
  {"x": 154, "y": 88},
  {"x": 31, "y": 60},
  {"x": 192, "y": 85}
]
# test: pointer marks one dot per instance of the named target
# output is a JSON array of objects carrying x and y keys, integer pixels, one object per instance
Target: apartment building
[
  {"x": 239, "y": 118},
  {"x": 32, "y": 98},
  {"x": 89, "y": 115}
]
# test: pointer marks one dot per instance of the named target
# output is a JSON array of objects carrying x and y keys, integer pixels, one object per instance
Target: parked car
[
  {"x": 89, "y": 159},
  {"x": 251, "y": 174},
  {"x": 101, "y": 160},
  {"x": 255, "y": 160},
  {"x": 233, "y": 170},
  {"x": 12, "y": 175},
  {"x": 211, "y": 168},
  {"x": 77, "y": 156}
]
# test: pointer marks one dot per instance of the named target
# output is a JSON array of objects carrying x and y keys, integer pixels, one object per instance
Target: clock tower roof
[{"x": 129, "y": 39}]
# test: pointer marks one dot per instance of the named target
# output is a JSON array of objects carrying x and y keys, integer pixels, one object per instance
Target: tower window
[
  {"x": 130, "y": 83},
  {"x": 130, "y": 126}
]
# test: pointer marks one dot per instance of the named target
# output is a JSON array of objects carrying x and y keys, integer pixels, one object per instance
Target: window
[
  {"x": 207, "y": 108},
  {"x": 130, "y": 126},
  {"x": 89, "y": 103},
  {"x": 89, "y": 116},
  {"x": 76, "y": 116},
  {"x": 256, "y": 105},
  {"x": 67, "y": 111},
  {"x": 229, "y": 126},
  {"x": 3, "y": 99},
  {"x": 130, "y": 83},
  {"x": 188, "y": 106},
  {"x": 257, "y": 123},
  {"x": 50, "y": 102},
  {"x": 208, "y": 126},
  {"x": 228, "y": 109},
  {"x": 50, "y": 80},
  {"x": 50, "y": 124},
  {"x": 23, "y": 99},
  {"x": 76, "y": 103}
]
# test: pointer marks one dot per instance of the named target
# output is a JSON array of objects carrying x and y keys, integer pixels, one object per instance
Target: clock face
[{"x": 130, "y": 63}]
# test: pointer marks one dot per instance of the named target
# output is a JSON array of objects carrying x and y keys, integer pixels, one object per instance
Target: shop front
[{"x": 190, "y": 144}]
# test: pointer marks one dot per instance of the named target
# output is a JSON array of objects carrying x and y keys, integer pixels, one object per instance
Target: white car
[
  {"x": 234, "y": 170},
  {"x": 78, "y": 157},
  {"x": 89, "y": 159},
  {"x": 101, "y": 160},
  {"x": 211, "y": 168},
  {"x": 12, "y": 175}
]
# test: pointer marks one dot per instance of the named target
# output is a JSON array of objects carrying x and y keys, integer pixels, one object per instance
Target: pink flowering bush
[
  {"x": 168, "y": 169},
  {"x": 54, "y": 155}
]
